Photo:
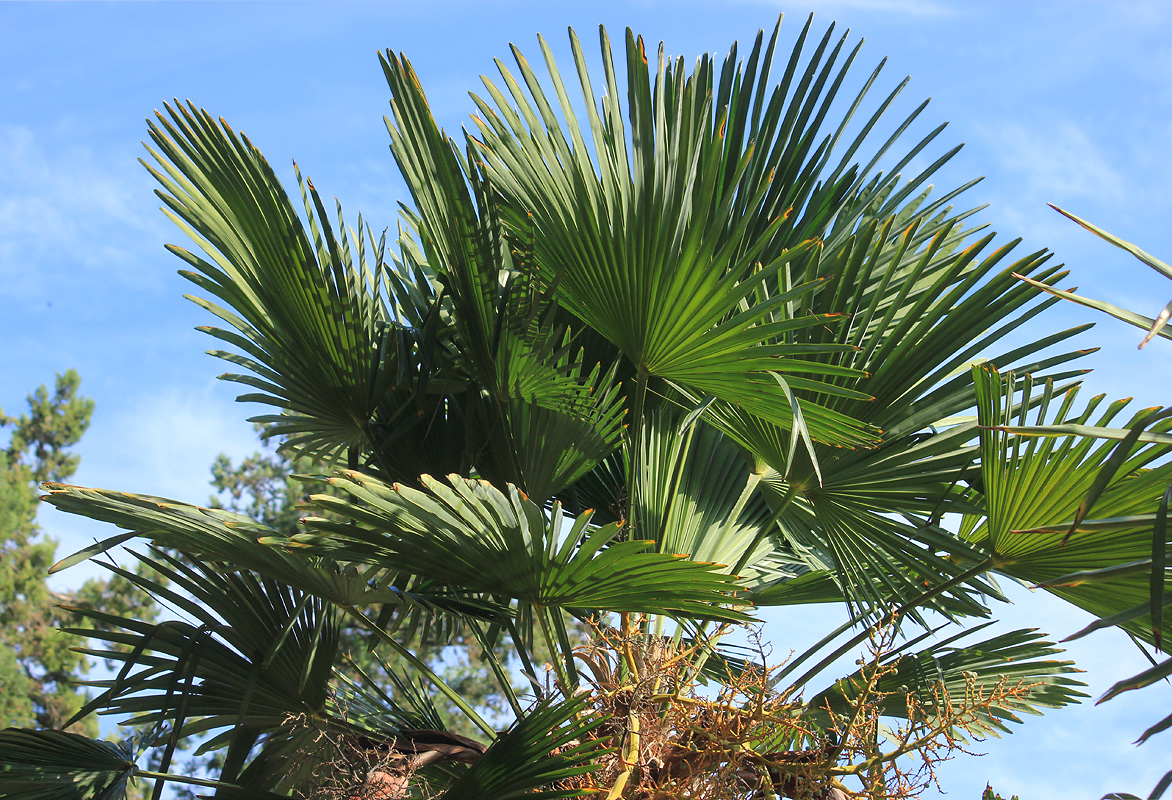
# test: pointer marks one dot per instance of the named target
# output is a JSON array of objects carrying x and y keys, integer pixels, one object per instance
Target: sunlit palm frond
[
  {"x": 877, "y": 559},
  {"x": 695, "y": 494},
  {"x": 652, "y": 248},
  {"x": 471, "y": 534},
  {"x": 219, "y": 535},
  {"x": 1035, "y": 485},
  {"x": 549, "y": 418},
  {"x": 917, "y": 304}
]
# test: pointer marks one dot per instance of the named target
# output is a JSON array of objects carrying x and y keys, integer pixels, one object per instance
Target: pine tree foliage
[{"x": 40, "y": 669}]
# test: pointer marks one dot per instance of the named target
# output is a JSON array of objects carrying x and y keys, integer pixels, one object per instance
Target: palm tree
[{"x": 650, "y": 364}]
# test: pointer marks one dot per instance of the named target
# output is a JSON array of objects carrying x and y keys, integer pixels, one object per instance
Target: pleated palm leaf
[
  {"x": 1081, "y": 510},
  {"x": 714, "y": 358},
  {"x": 1036, "y": 489},
  {"x": 1139, "y": 430}
]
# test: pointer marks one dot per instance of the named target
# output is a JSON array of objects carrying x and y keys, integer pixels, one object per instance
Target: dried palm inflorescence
[{"x": 667, "y": 738}]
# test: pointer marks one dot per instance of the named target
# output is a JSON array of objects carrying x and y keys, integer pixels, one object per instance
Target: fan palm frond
[
  {"x": 1031, "y": 481},
  {"x": 471, "y": 534},
  {"x": 301, "y": 302}
]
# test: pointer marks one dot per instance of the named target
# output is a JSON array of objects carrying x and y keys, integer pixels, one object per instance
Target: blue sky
[{"x": 1063, "y": 102}]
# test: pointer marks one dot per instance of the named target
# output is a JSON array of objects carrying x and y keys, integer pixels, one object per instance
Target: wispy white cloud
[
  {"x": 61, "y": 209},
  {"x": 161, "y": 444},
  {"x": 165, "y": 443},
  {"x": 1061, "y": 159}
]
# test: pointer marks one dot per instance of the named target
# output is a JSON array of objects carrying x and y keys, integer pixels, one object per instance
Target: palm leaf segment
[
  {"x": 550, "y": 418},
  {"x": 303, "y": 304},
  {"x": 56, "y": 765},
  {"x": 950, "y": 671},
  {"x": 218, "y": 535},
  {"x": 1032, "y": 480},
  {"x": 251, "y": 657},
  {"x": 1154, "y": 326},
  {"x": 912, "y": 304},
  {"x": 363, "y": 357}
]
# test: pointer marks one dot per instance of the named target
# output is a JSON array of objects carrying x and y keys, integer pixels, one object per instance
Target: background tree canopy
[{"x": 39, "y": 669}]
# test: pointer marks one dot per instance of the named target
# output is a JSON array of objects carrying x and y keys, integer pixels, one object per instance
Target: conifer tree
[{"x": 39, "y": 670}]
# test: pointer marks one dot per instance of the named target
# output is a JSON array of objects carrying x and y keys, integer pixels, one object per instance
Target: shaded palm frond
[
  {"x": 546, "y": 746},
  {"x": 57, "y": 765}
]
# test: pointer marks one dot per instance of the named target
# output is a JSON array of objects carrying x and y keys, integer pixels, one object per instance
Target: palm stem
[
  {"x": 167, "y": 776},
  {"x": 556, "y": 657},
  {"x": 634, "y": 462},
  {"x": 754, "y": 479},
  {"x": 502, "y": 678}
]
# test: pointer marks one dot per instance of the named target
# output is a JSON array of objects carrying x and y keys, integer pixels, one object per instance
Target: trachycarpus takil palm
[{"x": 679, "y": 356}]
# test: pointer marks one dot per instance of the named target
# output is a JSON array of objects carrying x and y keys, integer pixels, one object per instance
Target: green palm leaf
[
  {"x": 216, "y": 534},
  {"x": 551, "y": 418},
  {"x": 659, "y": 268},
  {"x": 301, "y": 304},
  {"x": 544, "y": 442},
  {"x": 695, "y": 495},
  {"x": 547, "y": 745},
  {"x": 255, "y": 663},
  {"x": 807, "y": 586},
  {"x": 1032, "y": 480},
  {"x": 1155, "y": 327},
  {"x": 1017, "y": 657},
  {"x": 1146, "y": 678},
  {"x": 470, "y": 534},
  {"x": 254, "y": 653},
  {"x": 916, "y": 307},
  {"x": 56, "y": 765},
  {"x": 876, "y": 559}
]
